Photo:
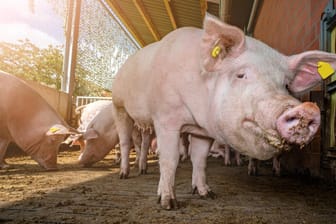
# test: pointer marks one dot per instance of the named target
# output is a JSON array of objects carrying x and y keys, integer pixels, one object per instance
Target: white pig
[
  {"x": 29, "y": 121},
  {"x": 101, "y": 136},
  {"x": 215, "y": 82}
]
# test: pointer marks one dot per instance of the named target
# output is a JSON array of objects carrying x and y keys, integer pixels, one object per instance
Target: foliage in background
[
  {"x": 102, "y": 48},
  {"x": 27, "y": 61}
]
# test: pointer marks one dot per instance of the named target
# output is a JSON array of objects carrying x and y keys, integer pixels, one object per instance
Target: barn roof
[{"x": 150, "y": 20}]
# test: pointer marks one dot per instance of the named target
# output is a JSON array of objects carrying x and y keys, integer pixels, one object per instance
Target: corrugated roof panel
[
  {"x": 213, "y": 9},
  {"x": 187, "y": 12},
  {"x": 138, "y": 22},
  {"x": 159, "y": 16}
]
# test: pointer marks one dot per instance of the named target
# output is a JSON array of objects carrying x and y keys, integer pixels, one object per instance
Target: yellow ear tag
[
  {"x": 324, "y": 69},
  {"x": 216, "y": 51},
  {"x": 54, "y": 129}
]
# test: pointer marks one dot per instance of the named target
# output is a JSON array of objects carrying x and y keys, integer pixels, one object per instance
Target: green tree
[
  {"x": 44, "y": 66},
  {"x": 26, "y": 60}
]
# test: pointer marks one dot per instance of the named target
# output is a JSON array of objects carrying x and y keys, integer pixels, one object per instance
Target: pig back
[
  {"x": 24, "y": 113},
  {"x": 154, "y": 77}
]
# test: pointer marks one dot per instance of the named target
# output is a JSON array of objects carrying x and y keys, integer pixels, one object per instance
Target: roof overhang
[{"x": 150, "y": 20}]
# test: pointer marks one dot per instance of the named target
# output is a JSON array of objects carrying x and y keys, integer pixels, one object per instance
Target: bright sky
[{"x": 42, "y": 27}]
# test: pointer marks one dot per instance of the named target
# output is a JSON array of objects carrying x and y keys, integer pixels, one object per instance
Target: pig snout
[{"x": 299, "y": 124}]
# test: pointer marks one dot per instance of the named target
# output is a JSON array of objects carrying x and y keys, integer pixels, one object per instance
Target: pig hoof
[
  {"x": 123, "y": 175},
  {"x": 142, "y": 172},
  {"x": 209, "y": 194},
  {"x": 252, "y": 172},
  {"x": 168, "y": 204},
  {"x": 276, "y": 173}
]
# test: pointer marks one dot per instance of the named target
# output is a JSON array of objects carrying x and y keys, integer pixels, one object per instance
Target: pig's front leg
[
  {"x": 198, "y": 154},
  {"x": 3, "y": 148},
  {"x": 168, "y": 143}
]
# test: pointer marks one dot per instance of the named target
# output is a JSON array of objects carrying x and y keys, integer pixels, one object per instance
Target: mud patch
[{"x": 74, "y": 194}]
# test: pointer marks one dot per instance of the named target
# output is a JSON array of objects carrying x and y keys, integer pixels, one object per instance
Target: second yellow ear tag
[
  {"x": 324, "y": 69},
  {"x": 216, "y": 51},
  {"x": 54, "y": 129}
]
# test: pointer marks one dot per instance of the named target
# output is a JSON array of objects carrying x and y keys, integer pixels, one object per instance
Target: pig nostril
[{"x": 290, "y": 119}]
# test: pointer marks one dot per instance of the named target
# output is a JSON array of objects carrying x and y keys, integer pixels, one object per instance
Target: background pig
[
  {"x": 218, "y": 83},
  {"x": 29, "y": 121},
  {"x": 101, "y": 137},
  {"x": 86, "y": 114},
  {"x": 229, "y": 155},
  {"x": 253, "y": 166}
]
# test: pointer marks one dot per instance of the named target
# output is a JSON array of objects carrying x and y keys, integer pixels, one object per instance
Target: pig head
[
  {"x": 29, "y": 121},
  {"x": 100, "y": 137},
  {"x": 216, "y": 82}
]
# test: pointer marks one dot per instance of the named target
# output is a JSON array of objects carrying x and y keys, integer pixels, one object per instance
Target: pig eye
[{"x": 240, "y": 76}]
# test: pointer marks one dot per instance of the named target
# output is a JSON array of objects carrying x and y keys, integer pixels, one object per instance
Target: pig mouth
[{"x": 270, "y": 136}]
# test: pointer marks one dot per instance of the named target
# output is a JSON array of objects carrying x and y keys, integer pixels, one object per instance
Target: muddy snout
[{"x": 299, "y": 124}]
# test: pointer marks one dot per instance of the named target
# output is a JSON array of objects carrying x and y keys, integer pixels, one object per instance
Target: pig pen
[{"x": 28, "y": 194}]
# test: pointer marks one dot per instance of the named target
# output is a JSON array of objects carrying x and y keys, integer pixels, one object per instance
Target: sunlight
[{"x": 20, "y": 19}]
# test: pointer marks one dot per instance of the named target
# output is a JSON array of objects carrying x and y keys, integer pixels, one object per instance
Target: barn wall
[
  {"x": 290, "y": 26},
  {"x": 56, "y": 99}
]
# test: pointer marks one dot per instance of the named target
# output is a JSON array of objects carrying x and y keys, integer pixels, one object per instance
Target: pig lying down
[
  {"x": 215, "y": 82},
  {"x": 29, "y": 121}
]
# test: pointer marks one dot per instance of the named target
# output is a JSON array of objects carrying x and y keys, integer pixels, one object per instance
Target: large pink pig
[
  {"x": 29, "y": 121},
  {"x": 219, "y": 83}
]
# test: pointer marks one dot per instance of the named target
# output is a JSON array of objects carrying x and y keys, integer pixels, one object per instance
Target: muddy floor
[{"x": 97, "y": 195}]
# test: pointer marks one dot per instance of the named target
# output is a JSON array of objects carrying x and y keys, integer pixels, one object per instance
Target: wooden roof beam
[
  {"x": 170, "y": 13},
  {"x": 214, "y": 1},
  {"x": 204, "y": 7},
  {"x": 124, "y": 19},
  {"x": 142, "y": 10}
]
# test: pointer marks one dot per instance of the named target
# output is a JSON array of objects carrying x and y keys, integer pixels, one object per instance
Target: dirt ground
[{"x": 97, "y": 195}]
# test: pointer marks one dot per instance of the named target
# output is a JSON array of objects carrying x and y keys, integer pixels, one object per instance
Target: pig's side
[
  {"x": 29, "y": 121},
  {"x": 218, "y": 83},
  {"x": 88, "y": 112}
]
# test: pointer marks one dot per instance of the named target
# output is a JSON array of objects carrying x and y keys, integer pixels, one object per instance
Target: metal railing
[{"x": 83, "y": 100}]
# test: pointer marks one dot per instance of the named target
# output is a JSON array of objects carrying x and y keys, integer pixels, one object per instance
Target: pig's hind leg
[
  {"x": 125, "y": 126},
  {"x": 145, "y": 143}
]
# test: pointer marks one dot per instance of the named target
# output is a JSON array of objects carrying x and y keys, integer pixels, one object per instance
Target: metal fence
[{"x": 83, "y": 100}]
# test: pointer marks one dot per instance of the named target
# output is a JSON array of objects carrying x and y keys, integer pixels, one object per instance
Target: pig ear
[
  {"x": 90, "y": 134},
  {"x": 59, "y": 129},
  {"x": 219, "y": 40},
  {"x": 305, "y": 67}
]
